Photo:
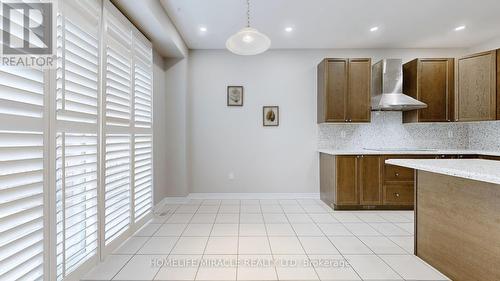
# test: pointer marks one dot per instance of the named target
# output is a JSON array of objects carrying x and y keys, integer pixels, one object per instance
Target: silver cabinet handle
[{"x": 396, "y": 194}]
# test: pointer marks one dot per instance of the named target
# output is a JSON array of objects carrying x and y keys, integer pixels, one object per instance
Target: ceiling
[{"x": 340, "y": 23}]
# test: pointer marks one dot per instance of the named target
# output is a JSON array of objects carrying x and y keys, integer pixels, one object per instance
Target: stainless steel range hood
[{"x": 387, "y": 87}]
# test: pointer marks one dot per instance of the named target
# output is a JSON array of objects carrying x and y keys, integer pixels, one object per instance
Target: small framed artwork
[
  {"x": 234, "y": 95},
  {"x": 271, "y": 116}
]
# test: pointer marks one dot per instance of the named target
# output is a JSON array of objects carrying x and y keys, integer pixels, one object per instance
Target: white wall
[
  {"x": 159, "y": 130},
  {"x": 175, "y": 124},
  {"x": 485, "y": 46},
  {"x": 224, "y": 140}
]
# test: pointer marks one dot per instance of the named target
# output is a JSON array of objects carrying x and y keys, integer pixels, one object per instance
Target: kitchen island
[{"x": 457, "y": 215}]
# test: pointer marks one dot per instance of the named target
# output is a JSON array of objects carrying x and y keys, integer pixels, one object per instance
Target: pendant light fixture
[{"x": 248, "y": 41}]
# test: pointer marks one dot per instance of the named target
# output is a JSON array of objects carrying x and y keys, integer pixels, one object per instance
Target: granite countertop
[
  {"x": 474, "y": 169},
  {"x": 362, "y": 151}
]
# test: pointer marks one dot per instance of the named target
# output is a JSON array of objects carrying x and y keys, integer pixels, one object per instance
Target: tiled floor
[{"x": 268, "y": 240}]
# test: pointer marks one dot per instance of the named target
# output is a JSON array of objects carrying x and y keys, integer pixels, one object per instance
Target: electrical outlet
[
  {"x": 230, "y": 176},
  {"x": 450, "y": 134},
  {"x": 342, "y": 134}
]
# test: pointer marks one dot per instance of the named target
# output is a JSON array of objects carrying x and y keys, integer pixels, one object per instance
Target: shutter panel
[
  {"x": 117, "y": 185},
  {"x": 21, "y": 172},
  {"x": 21, "y": 205},
  {"x": 78, "y": 50},
  {"x": 77, "y": 108},
  {"x": 76, "y": 193},
  {"x": 142, "y": 83},
  {"x": 118, "y": 102},
  {"x": 118, "y": 72},
  {"x": 143, "y": 170},
  {"x": 22, "y": 178},
  {"x": 143, "y": 178}
]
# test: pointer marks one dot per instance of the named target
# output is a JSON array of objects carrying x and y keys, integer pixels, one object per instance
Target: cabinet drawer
[
  {"x": 397, "y": 173},
  {"x": 398, "y": 194}
]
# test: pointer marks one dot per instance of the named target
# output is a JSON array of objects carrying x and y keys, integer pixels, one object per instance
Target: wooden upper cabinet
[
  {"x": 477, "y": 87},
  {"x": 430, "y": 81},
  {"x": 358, "y": 98},
  {"x": 370, "y": 180},
  {"x": 344, "y": 90}
]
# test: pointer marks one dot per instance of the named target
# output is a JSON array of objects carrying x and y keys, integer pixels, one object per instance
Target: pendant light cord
[{"x": 248, "y": 13}]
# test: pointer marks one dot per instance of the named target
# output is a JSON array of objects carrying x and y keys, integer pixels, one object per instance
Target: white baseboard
[{"x": 238, "y": 196}]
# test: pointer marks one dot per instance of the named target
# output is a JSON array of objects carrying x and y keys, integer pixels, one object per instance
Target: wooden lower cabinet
[
  {"x": 360, "y": 182},
  {"x": 365, "y": 182}
]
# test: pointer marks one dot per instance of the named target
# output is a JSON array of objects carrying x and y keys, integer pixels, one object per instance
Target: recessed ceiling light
[
  {"x": 289, "y": 29},
  {"x": 458, "y": 28},
  {"x": 373, "y": 29},
  {"x": 203, "y": 29}
]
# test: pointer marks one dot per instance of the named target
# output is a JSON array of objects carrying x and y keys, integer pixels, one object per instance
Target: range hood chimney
[{"x": 387, "y": 87}]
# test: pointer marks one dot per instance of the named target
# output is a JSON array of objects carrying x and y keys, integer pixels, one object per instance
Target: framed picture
[
  {"x": 270, "y": 116},
  {"x": 234, "y": 95}
]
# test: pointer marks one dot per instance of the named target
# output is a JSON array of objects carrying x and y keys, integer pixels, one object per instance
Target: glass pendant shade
[{"x": 248, "y": 41}]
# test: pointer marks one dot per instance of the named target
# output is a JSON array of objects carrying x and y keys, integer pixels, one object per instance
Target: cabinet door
[
  {"x": 370, "y": 183},
  {"x": 346, "y": 192},
  {"x": 436, "y": 86},
  {"x": 336, "y": 90},
  {"x": 476, "y": 99},
  {"x": 358, "y": 98}
]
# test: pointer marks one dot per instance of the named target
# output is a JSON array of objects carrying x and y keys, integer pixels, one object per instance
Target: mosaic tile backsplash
[
  {"x": 387, "y": 130},
  {"x": 484, "y": 136}
]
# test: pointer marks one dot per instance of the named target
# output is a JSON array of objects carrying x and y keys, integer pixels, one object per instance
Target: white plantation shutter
[
  {"x": 118, "y": 102},
  {"x": 128, "y": 125},
  {"x": 77, "y": 105},
  {"x": 143, "y": 169},
  {"x": 22, "y": 177},
  {"x": 99, "y": 124}
]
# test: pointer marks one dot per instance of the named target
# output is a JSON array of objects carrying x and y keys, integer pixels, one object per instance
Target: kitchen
[{"x": 252, "y": 140}]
